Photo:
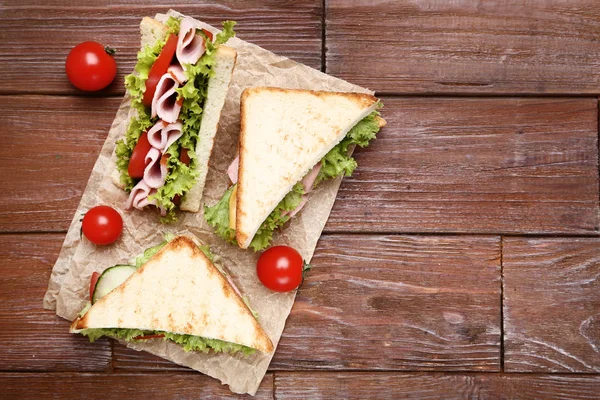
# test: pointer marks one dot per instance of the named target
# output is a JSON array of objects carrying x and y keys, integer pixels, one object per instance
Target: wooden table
[{"x": 462, "y": 259}]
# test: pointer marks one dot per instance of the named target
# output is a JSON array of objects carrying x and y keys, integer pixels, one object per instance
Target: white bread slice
[
  {"x": 152, "y": 31},
  {"x": 218, "y": 86},
  {"x": 283, "y": 134},
  {"x": 178, "y": 290}
]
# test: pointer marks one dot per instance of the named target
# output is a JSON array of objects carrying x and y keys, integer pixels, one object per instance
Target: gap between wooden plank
[{"x": 501, "y": 303}]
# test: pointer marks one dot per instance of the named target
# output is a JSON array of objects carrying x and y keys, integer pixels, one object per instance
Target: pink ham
[
  {"x": 176, "y": 71},
  {"x": 309, "y": 179},
  {"x": 308, "y": 182},
  {"x": 190, "y": 46},
  {"x": 162, "y": 135},
  {"x": 164, "y": 102},
  {"x": 155, "y": 173},
  {"x": 138, "y": 198},
  {"x": 232, "y": 170}
]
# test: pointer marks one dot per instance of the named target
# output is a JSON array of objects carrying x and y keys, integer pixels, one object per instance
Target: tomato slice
[
  {"x": 159, "y": 68},
  {"x": 93, "y": 282},
  {"x": 208, "y": 34},
  {"x": 137, "y": 161},
  {"x": 149, "y": 337},
  {"x": 184, "y": 156}
]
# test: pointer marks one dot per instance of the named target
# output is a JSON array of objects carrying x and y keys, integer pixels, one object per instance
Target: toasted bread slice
[
  {"x": 178, "y": 290},
  {"x": 283, "y": 134}
]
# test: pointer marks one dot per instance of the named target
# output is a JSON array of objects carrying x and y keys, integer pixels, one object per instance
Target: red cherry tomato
[
  {"x": 159, "y": 68},
  {"x": 137, "y": 161},
  {"x": 91, "y": 66},
  {"x": 280, "y": 268},
  {"x": 102, "y": 225},
  {"x": 93, "y": 282}
]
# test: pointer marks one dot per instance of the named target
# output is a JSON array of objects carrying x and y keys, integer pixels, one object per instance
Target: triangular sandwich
[
  {"x": 290, "y": 140},
  {"x": 177, "y": 295}
]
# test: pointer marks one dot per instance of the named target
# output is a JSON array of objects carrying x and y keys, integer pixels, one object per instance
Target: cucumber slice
[{"x": 110, "y": 279}]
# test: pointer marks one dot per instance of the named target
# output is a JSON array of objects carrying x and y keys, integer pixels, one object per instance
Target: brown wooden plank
[
  {"x": 534, "y": 47},
  {"x": 397, "y": 302},
  {"x": 388, "y": 302},
  {"x": 111, "y": 386},
  {"x": 476, "y": 165},
  {"x": 385, "y": 385},
  {"x": 33, "y": 338},
  {"x": 552, "y": 304},
  {"x": 36, "y": 36},
  {"x": 52, "y": 145},
  {"x": 440, "y": 165}
]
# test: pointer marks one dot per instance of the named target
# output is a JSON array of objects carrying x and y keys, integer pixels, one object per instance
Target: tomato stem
[
  {"x": 305, "y": 268},
  {"x": 109, "y": 50}
]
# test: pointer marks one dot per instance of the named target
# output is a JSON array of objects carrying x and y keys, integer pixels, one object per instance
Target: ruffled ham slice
[
  {"x": 138, "y": 198},
  {"x": 309, "y": 179},
  {"x": 176, "y": 71},
  {"x": 232, "y": 170},
  {"x": 164, "y": 102},
  {"x": 308, "y": 182},
  {"x": 155, "y": 173},
  {"x": 190, "y": 46},
  {"x": 162, "y": 135}
]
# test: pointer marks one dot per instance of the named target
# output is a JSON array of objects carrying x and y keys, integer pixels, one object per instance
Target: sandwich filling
[
  {"x": 188, "y": 342},
  {"x": 156, "y": 159},
  {"x": 337, "y": 162}
]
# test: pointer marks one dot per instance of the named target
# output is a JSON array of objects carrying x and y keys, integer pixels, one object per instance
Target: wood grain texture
[
  {"x": 327, "y": 385},
  {"x": 397, "y": 302},
  {"x": 33, "y": 338},
  {"x": 441, "y": 165},
  {"x": 465, "y": 47},
  {"x": 51, "y": 145},
  {"x": 37, "y": 35},
  {"x": 552, "y": 304},
  {"x": 387, "y": 302},
  {"x": 112, "y": 386},
  {"x": 476, "y": 165}
]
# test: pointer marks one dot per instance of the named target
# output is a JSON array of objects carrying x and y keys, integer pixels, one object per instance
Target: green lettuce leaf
[
  {"x": 148, "y": 253},
  {"x": 118, "y": 333},
  {"x": 181, "y": 177},
  {"x": 337, "y": 162},
  {"x": 188, "y": 342},
  {"x": 276, "y": 219},
  {"x": 173, "y": 24},
  {"x": 217, "y": 216},
  {"x": 205, "y": 248},
  {"x": 197, "y": 343}
]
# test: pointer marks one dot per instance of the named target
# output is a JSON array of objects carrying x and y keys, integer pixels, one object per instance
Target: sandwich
[
  {"x": 172, "y": 292},
  {"x": 178, "y": 89},
  {"x": 290, "y": 142}
]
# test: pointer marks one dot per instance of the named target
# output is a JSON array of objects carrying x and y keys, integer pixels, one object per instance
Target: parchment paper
[{"x": 68, "y": 287}]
